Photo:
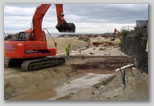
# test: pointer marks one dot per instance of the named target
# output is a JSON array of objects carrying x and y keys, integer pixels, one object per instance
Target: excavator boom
[{"x": 37, "y": 19}]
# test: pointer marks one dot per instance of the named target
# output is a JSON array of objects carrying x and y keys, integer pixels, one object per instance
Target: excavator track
[
  {"x": 9, "y": 62},
  {"x": 36, "y": 64}
]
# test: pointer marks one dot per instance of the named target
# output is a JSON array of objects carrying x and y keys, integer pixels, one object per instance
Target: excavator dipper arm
[{"x": 62, "y": 25}]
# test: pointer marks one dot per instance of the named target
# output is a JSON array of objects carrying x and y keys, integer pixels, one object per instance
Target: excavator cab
[{"x": 66, "y": 27}]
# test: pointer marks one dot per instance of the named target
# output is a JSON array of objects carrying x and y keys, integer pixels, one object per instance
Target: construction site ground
[
  {"x": 78, "y": 79},
  {"x": 89, "y": 75},
  {"x": 97, "y": 51}
]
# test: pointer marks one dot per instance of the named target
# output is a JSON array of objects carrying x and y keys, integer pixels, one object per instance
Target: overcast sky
[{"x": 88, "y": 18}]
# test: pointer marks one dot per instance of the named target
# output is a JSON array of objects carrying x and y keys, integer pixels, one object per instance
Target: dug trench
[{"x": 54, "y": 83}]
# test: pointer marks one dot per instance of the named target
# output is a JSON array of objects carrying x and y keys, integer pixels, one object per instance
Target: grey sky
[{"x": 88, "y": 18}]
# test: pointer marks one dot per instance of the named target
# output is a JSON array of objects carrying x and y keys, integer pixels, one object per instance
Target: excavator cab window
[
  {"x": 26, "y": 35},
  {"x": 23, "y": 36}
]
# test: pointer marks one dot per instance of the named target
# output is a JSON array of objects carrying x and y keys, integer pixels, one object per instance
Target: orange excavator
[
  {"x": 30, "y": 49},
  {"x": 114, "y": 34}
]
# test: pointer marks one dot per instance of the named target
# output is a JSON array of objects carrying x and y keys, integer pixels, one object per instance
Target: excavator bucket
[
  {"x": 112, "y": 39},
  {"x": 67, "y": 27}
]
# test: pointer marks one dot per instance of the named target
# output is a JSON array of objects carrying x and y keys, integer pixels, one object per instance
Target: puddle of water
[{"x": 81, "y": 83}]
